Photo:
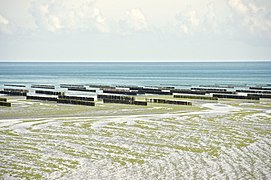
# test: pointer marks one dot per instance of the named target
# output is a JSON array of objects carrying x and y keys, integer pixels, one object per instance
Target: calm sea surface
[{"x": 144, "y": 74}]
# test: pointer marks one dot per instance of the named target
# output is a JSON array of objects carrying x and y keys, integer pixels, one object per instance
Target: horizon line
[{"x": 131, "y": 61}]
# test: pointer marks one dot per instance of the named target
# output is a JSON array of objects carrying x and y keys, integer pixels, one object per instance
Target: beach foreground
[{"x": 211, "y": 139}]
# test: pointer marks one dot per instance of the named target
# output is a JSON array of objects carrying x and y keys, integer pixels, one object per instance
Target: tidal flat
[{"x": 224, "y": 139}]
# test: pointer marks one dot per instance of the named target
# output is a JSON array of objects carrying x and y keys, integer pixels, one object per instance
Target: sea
[{"x": 178, "y": 74}]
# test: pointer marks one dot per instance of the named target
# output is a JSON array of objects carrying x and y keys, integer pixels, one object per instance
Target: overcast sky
[{"x": 128, "y": 30}]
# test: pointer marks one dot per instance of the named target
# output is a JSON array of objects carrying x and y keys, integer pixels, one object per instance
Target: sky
[{"x": 141, "y": 30}]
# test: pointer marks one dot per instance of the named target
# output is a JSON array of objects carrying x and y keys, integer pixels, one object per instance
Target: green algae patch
[
  {"x": 146, "y": 127},
  {"x": 9, "y": 133},
  {"x": 239, "y": 116},
  {"x": 244, "y": 143},
  {"x": 123, "y": 161}
]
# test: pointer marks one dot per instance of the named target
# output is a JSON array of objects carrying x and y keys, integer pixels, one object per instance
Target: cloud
[
  {"x": 69, "y": 15},
  {"x": 202, "y": 20},
  {"x": 251, "y": 16},
  {"x": 3, "y": 21},
  {"x": 238, "y": 6},
  {"x": 4, "y": 25},
  {"x": 242, "y": 19},
  {"x": 211, "y": 19},
  {"x": 134, "y": 21},
  {"x": 191, "y": 21}
]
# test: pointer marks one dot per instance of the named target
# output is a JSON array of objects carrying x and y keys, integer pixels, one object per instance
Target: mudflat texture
[{"x": 211, "y": 139}]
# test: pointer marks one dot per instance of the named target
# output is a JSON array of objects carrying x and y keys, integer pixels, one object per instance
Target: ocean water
[{"x": 137, "y": 73}]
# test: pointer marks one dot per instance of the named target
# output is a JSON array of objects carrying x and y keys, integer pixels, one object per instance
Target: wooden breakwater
[
  {"x": 120, "y": 91},
  {"x": 140, "y": 103},
  {"x": 41, "y": 98},
  {"x": 166, "y": 87},
  {"x": 209, "y": 89},
  {"x": 254, "y": 91},
  {"x": 152, "y": 91},
  {"x": 71, "y": 86},
  {"x": 145, "y": 90},
  {"x": 14, "y": 92},
  {"x": 227, "y": 96},
  {"x": 118, "y": 101},
  {"x": 3, "y": 99},
  {"x": 166, "y": 101},
  {"x": 260, "y": 88},
  {"x": 3, "y": 103},
  {"x": 260, "y": 95},
  {"x": 141, "y": 88},
  {"x": 14, "y": 85},
  {"x": 201, "y": 92},
  {"x": 87, "y": 101},
  {"x": 219, "y": 92},
  {"x": 49, "y": 92},
  {"x": 161, "y": 87},
  {"x": 126, "y": 86},
  {"x": 195, "y": 97},
  {"x": 101, "y": 86},
  {"x": 43, "y": 86},
  {"x": 76, "y": 102},
  {"x": 125, "y": 98},
  {"x": 187, "y": 91},
  {"x": 176, "y": 85},
  {"x": 81, "y": 89},
  {"x": 212, "y": 90},
  {"x": 76, "y": 98},
  {"x": 218, "y": 86}
]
